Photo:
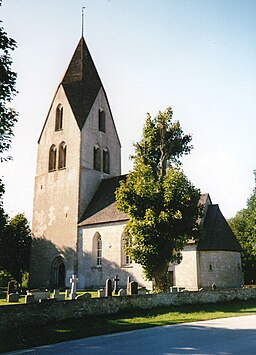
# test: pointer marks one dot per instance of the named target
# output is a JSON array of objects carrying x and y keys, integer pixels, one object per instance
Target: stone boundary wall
[{"x": 36, "y": 314}]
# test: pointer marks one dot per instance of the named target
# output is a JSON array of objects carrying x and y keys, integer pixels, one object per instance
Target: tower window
[
  {"x": 52, "y": 158},
  {"x": 102, "y": 121},
  {"x": 96, "y": 158},
  {"x": 59, "y": 118},
  {"x": 62, "y": 155},
  {"x": 106, "y": 161}
]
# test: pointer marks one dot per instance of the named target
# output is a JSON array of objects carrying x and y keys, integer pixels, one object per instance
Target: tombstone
[
  {"x": 108, "y": 289},
  {"x": 11, "y": 288},
  {"x": 13, "y": 297},
  {"x": 101, "y": 293},
  {"x": 39, "y": 295},
  {"x": 128, "y": 291},
  {"x": 115, "y": 280},
  {"x": 122, "y": 292},
  {"x": 84, "y": 296},
  {"x": 61, "y": 297},
  {"x": 173, "y": 289},
  {"x": 214, "y": 286},
  {"x": 67, "y": 293},
  {"x": 73, "y": 282},
  {"x": 134, "y": 288},
  {"x": 56, "y": 293},
  {"x": 29, "y": 299}
]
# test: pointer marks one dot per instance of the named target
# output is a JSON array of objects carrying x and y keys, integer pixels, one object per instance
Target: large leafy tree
[
  {"x": 15, "y": 246},
  {"x": 244, "y": 227},
  {"x": 161, "y": 202},
  {"x": 8, "y": 116}
]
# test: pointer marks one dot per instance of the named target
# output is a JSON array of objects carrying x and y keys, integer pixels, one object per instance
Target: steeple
[{"x": 81, "y": 82}]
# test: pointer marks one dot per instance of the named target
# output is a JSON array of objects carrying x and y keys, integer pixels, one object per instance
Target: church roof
[
  {"x": 81, "y": 82},
  {"x": 217, "y": 235},
  {"x": 102, "y": 208}
]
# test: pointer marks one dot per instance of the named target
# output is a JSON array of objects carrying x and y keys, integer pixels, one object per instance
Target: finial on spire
[{"x": 83, "y": 20}]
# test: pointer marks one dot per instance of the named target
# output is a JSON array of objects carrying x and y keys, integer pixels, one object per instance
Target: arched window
[
  {"x": 102, "y": 120},
  {"x": 52, "y": 158},
  {"x": 62, "y": 155},
  {"x": 96, "y": 158},
  {"x": 126, "y": 259},
  {"x": 59, "y": 118},
  {"x": 99, "y": 252},
  {"x": 106, "y": 161}
]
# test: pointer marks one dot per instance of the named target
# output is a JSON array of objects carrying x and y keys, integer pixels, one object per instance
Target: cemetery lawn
[{"x": 56, "y": 332}]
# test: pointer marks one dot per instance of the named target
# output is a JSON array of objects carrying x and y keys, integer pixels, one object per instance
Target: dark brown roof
[
  {"x": 217, "y": 235},
  {"x": 81, "y": 82},
  {"x": 102, "y": 208}
]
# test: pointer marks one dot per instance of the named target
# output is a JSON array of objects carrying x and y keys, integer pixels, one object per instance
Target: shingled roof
[
  {"x": 81, "y": 83},
  {"x": 217, "y": 235},
  {"x": 102, "y": 208}
]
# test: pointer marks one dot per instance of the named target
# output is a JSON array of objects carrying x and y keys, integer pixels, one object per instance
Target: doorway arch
[{"x": 58, "y": 272}]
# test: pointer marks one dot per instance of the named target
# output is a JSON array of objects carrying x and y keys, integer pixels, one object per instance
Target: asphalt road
[{"x": 220, "y": 336}]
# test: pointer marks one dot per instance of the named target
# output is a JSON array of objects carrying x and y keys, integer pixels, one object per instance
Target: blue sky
[{"x": 196, "y": 56}]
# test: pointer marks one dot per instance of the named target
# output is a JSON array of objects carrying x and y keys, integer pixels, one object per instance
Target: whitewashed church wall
[
  {"x": 55, "y": 209},
  {"x": 220, "y": 267},
  {"x": 91, "y": 276},
  {"x": 186, "y": 273},
  {"x": 91, "y": 136}
]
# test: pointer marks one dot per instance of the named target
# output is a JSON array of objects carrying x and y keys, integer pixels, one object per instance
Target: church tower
[{"x": 77, "y": 149}]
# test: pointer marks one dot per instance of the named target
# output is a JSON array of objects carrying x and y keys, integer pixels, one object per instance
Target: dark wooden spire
[{"x": 81, "y": 82}]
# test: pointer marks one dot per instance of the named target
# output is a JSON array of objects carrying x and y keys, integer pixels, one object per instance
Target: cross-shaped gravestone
[
  {"x": 73, "y": 282},
  {"x": 116, "y": 279}
]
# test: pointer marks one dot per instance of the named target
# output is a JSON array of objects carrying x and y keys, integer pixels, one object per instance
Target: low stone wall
[{"x": 37, "y": 314}]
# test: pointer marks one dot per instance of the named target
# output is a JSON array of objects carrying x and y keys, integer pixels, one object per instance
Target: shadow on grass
[{"x": 20, "y": 338}]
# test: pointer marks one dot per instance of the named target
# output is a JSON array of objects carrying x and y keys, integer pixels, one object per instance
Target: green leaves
[
  {"x": 160, "y": 200},
  {"x": 8, "y": 116}
]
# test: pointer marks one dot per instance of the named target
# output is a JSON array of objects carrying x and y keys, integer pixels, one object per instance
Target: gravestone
[
  {"x": 101, "y": 293},
  {"x": 12, "y": 287},
  {"x": 116, "y": 279},
  {"x": 67, "y": 293},
  {"x": 134, "y": 288},
  {"x": 56, "y": 293},
  {"x": 128, "y": 290},
  {"x": 122, "y": 292},
  {"x": 39, "y": 295},
  {"x": 13, "y": 297},
  {"x": 214, "y": 286},
  {"x": 29, "y": 299},
  {"x": 108, "y": 289},
  {"x": 73, "y": 282},
  {"x": 173, "y": 289}
]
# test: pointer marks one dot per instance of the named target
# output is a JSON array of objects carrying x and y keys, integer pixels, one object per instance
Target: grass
[
  {"x": 3, "y": 301},
  {"x": 86, "y": 327}
]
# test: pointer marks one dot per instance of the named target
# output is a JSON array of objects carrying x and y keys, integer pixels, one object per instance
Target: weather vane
[{"x": 83, "y": 20}]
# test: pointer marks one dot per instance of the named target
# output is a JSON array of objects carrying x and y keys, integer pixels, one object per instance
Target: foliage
[
  {"x": 244, "y": 227},
  {"x": 8, "y": 116},
  {"x": 15, "y": 244},
  {"x": 161, "y": 202}
]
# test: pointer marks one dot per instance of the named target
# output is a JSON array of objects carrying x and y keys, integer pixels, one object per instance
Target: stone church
[{"x": 76, "y": 227}]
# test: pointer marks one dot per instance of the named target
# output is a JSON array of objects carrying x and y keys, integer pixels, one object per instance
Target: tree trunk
[{"x": 160, "y": 275}]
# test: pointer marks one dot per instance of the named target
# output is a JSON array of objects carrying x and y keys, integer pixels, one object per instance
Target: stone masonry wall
[{"x": 38, "y": 314}]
